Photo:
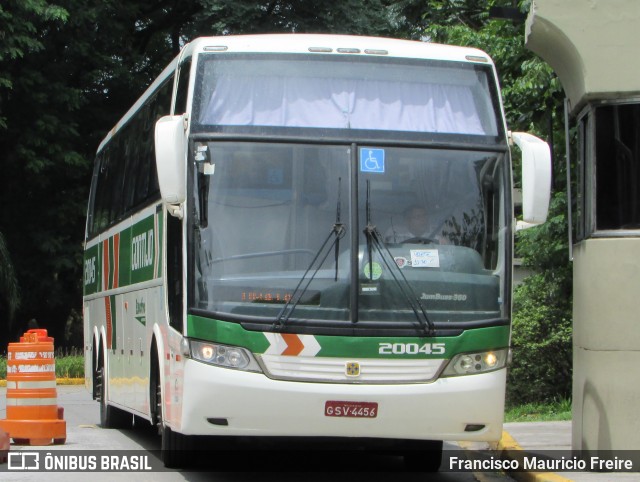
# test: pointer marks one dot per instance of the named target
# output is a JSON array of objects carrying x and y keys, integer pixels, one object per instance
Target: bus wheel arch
[
  {"x": 175, "y": 447},
  {"x": 155, "y": 384},
  {"x": 95, "y": 364}
]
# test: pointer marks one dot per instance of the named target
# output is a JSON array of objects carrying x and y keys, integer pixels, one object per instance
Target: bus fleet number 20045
[{"x": 411, "y": 348}]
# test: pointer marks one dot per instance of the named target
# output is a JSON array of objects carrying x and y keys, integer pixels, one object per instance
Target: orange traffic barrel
[{"x": 33, "y": 415}]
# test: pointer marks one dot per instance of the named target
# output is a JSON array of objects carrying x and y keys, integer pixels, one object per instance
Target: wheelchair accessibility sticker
[{"x": 371, "y": 160}]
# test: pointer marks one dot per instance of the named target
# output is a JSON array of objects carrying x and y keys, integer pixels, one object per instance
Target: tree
[
  {"x": 69, "y": 69},
  {"x": 533, "y": 101},
  {"x": 9, "y": 291},
  {"x": 20, "y": 21}
]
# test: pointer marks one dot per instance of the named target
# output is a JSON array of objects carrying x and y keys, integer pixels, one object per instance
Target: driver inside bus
[{"x": 415, "y": 227}]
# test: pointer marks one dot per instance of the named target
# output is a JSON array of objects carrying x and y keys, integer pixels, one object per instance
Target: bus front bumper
[{"x": 219, "y": 401}]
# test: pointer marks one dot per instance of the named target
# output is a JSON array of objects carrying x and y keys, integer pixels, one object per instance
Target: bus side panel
[
  {"x": 142, "y": 308},
  {"x": 116, "y": 335},
  {"x": 123, "y": 300}
]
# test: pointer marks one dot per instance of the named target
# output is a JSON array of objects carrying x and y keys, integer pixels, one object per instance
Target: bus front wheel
[
  {"x": 110, "y": 417},
  {"x": 175, "y": 447}
]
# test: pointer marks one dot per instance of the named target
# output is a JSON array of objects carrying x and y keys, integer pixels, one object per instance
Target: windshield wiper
[
  {"x": 337, "y": 232},
  {"x": 374, "y": 240}
]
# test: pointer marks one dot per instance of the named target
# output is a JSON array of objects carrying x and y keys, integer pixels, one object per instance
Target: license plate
[{"x": 333, "y": 408}]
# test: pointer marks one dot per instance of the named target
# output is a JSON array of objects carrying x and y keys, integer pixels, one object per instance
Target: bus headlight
[
  {"x": 223, "y": 355},
  {"x": 473, "y": 363}
]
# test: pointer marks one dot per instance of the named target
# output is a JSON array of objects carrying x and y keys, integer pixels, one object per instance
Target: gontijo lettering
[{"x": 142, "y": 250}]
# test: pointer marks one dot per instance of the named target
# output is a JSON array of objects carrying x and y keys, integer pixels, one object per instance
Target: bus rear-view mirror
[
  {"x": 536, "y": 179},
  {"x": 170, "y": 161}
]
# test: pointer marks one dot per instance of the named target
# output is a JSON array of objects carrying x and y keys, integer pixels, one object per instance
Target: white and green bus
[{"x": 251, "y": 266}]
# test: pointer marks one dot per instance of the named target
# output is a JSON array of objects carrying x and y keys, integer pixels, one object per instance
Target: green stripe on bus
[
  {"x": 143, "y": 250},
  {"x": 92, "y": 270},
  {"x": 125, "y": 258},
  {"x": 468, "y": 341},
  {"x": 226, "y": 333},
  {"x": 133, "y": 255},
  {"x": 471, "y": 340}
]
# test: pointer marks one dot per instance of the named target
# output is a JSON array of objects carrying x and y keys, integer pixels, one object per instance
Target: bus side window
[
  {"x": 98, "y": 215},
  {"x": 183, "y": 87},
  {"x": 174, "y": 272}
]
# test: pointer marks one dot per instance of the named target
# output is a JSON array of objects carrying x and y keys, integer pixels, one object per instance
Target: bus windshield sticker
[
  {"x": 401, "y": 261},
  {"x": 371, "y": 160},
  {"x": 373, "y": 271},
  {"x": 425, "y": 258}
]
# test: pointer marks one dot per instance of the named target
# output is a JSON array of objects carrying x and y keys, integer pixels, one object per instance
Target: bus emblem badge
[{"x": 353, "y": 369}]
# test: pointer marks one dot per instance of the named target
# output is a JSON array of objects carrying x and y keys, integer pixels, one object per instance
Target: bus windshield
[
  {"x": 286, "y": 233},
  {"x": 345, "y": 93}
]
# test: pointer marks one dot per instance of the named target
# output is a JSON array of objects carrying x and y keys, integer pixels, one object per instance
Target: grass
[
  {"x": 71, "y": 366},
  {"x": 557, "y": 410}
]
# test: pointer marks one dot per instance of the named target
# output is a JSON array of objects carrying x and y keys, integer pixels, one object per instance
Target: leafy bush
[
  {"x": 540, "y": 412},
  {"x": 542, "y": 348},
  {"x": 66, "y": 367},
  {"x": 541, "y": 369},
  {"x": 70, "y": 367}
]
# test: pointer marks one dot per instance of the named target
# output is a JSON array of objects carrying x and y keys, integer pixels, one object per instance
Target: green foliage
[
  {"x": 69, "y": 69},
  {"x": 556, "y": 410},
  {"x": 71, "y": 366},
  {"x": 546, "y": 247},
  {"x": 44, "y": 172},
  {"x": 541, "y": 370},
  {"x": 369, "y": 17},
  {"x": 541, "y": 342},
  {"x": 18, "y": 35},
  {"x": 530, "y": 89},
  {"x": 9, "y": 290},
  {"x": 533, "y": 101}
]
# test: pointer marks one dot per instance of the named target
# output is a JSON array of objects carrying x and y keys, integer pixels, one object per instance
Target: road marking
[{"x": 507, "y": 447}]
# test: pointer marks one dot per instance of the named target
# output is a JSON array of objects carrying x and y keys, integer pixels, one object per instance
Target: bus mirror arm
[
  {"x": 175, "y": 210},
  {"x": 536, "y": 179},
  {"x": 170, "y": 147}
]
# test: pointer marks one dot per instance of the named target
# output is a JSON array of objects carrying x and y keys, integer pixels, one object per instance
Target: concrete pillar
[{"x": 592, "y": 45}]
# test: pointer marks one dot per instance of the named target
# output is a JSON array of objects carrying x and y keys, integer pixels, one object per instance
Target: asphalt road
[{"x": 278, "y": 464}]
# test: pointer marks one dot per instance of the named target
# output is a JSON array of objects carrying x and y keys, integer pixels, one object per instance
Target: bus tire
[
  {"x": 175, "y": 447},
  {"x": 95, "y": 393},
  {"x": 422, "y": 455},
  {"x": 110, "y": 417}
]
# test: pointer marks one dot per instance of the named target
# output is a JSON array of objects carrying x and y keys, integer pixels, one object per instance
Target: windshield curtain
[
  {"x": 274, "y": 235},
  {"x": 326, "y": 91}
]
